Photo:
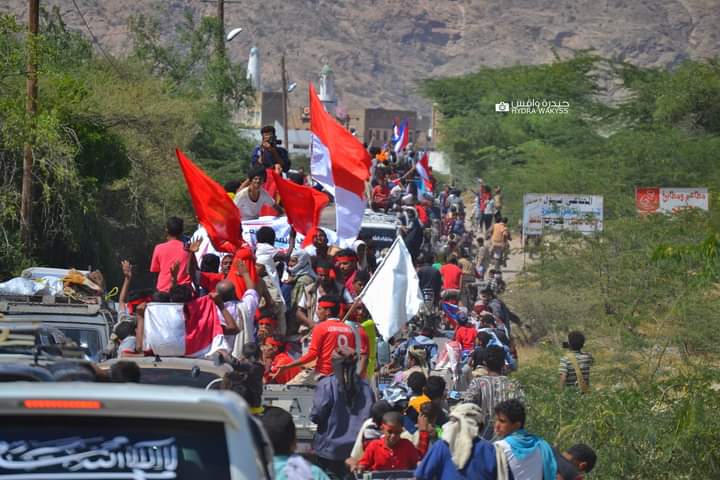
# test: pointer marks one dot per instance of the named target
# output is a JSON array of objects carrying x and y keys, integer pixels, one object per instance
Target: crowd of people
[{"x": 437, "y": 399}]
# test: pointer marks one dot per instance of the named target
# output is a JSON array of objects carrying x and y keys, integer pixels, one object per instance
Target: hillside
[{"x": 379, "y": 48}]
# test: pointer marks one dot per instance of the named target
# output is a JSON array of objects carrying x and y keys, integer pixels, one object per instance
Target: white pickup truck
[{"x": 122, "y": 431}]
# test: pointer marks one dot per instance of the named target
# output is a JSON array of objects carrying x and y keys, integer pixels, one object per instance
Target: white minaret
[
  {"x": 327, "y": 89},
  {"x": 253, "y": 69}
]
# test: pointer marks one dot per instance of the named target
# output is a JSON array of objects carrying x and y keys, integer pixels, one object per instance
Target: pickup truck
[
  {"x": 111, "y": 431},
  {"x": 88, "y": 325}
]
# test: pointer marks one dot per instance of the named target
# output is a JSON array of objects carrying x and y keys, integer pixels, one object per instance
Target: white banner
[
  {"x": 282, "y": 231},
  {"x": 279, "y": 224},
  {"x": 578, "y": 213}
]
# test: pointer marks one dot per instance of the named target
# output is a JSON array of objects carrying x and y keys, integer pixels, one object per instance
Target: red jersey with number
[{"x": 327, "y": 336}]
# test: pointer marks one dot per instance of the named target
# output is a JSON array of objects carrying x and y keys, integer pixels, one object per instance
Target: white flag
[{"x": 393, "y": 296}]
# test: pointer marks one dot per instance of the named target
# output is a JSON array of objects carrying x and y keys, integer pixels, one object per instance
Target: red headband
[
  {"x": 327, "y": 304},
  {"x": 267, "y": 321},
  {"x": 273, "y": 342},
  {"x": 345, "y": 259},
  {"x": 326, "y": 271}
]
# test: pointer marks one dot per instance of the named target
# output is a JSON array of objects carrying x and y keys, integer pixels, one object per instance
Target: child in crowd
[{"x": 390, "y": 452}]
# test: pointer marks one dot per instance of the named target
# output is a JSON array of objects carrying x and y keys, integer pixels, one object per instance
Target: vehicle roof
[
  {"x": 181, "y": 363},
  {"x": 127, "y": 400},
  {"x": 23, "y": 308},
  {"x": 22, "y": 320}
]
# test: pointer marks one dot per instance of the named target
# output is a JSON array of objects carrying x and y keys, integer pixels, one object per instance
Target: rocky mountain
[{"x": 379, "y": 49}]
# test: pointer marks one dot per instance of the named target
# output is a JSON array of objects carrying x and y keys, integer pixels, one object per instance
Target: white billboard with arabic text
[{"x": 543, "y": 212}]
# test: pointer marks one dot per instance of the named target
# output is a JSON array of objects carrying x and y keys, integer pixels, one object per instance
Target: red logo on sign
[{"x": 647, "y": 200}]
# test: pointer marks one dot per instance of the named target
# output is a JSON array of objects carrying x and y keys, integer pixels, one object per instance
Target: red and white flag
[
  {"x": 339, "y": 163},
  {"x": 422, "y": 167},
  {"x": 177, "y": 330}
]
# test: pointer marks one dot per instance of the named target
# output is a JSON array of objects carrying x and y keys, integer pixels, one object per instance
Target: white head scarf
[
  {"x": 362, "y": 260},
  {"x": 460, "y": 432}
]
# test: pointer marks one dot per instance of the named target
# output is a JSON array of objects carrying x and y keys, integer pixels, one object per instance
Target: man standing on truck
[
  {"x": 330, "y": 334},
  {"x": 167, "y": 254}
]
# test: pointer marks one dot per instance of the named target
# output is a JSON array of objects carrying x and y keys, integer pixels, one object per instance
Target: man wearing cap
[{"x": 329, "y": 335}]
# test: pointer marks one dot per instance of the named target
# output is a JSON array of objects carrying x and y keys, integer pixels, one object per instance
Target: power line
[{"x": 97, "y": 43}]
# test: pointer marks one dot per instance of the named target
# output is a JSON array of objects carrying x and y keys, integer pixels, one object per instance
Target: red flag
[
  {"x": 213, "y": 208},
  {"x": 302, "y": 204},
  {"x": 244, "y": 255}
]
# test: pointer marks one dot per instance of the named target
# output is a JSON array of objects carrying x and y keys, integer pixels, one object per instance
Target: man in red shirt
[
  {"x": 168, "y": 254},
  {"x": 465, "y": 332},
  {"x": 345, "y": 267},
  {"x": 451, "y": 274},
  {"x": 390, "y": 452},
  {"x": 380, "y": 196},
  {"x": 274, "y": 354},
  {"x": 330, "y": 334}
]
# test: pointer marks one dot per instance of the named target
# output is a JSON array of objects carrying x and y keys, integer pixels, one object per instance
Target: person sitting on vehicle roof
[
  {"x": 345, "y": 268},
  {"x": 274, "y": 356},
  {"x": 267, "y": 326},
  {"x": 319, "y": 248},
  {"x": 306, "y": 313}
]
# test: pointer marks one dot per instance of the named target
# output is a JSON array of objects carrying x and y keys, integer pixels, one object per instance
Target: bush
[{"x": 664, "y": 429}]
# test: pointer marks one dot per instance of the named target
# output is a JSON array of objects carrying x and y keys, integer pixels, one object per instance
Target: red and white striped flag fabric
[
  {"x": 190, "y": 330},
  {"x": 340, "y": 163},
  {"x": 423, "y": 169}
]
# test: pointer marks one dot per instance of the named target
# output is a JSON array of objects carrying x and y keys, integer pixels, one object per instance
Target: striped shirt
[
  {"x": 489, "y": 390},
  {"x": 584, "y": 360}
]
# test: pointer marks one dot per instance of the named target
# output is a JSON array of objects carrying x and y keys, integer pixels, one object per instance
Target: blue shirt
[
  {"x": 438, "y": 463},
  {"x": 268, "y": 159}
]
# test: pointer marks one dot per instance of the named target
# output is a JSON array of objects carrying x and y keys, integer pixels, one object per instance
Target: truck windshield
[
  {"x": 85, "y": 338},
  {"x": 34, "y": 447}
]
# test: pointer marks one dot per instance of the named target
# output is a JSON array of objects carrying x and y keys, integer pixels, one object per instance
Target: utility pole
[
  {"x": 31, "y": 109},
  {"x": 285, "y": 102},
  {"x": 220, "y": 45}
]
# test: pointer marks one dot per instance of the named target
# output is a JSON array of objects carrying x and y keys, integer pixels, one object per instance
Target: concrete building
[{"x": 374, "y": 125}]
